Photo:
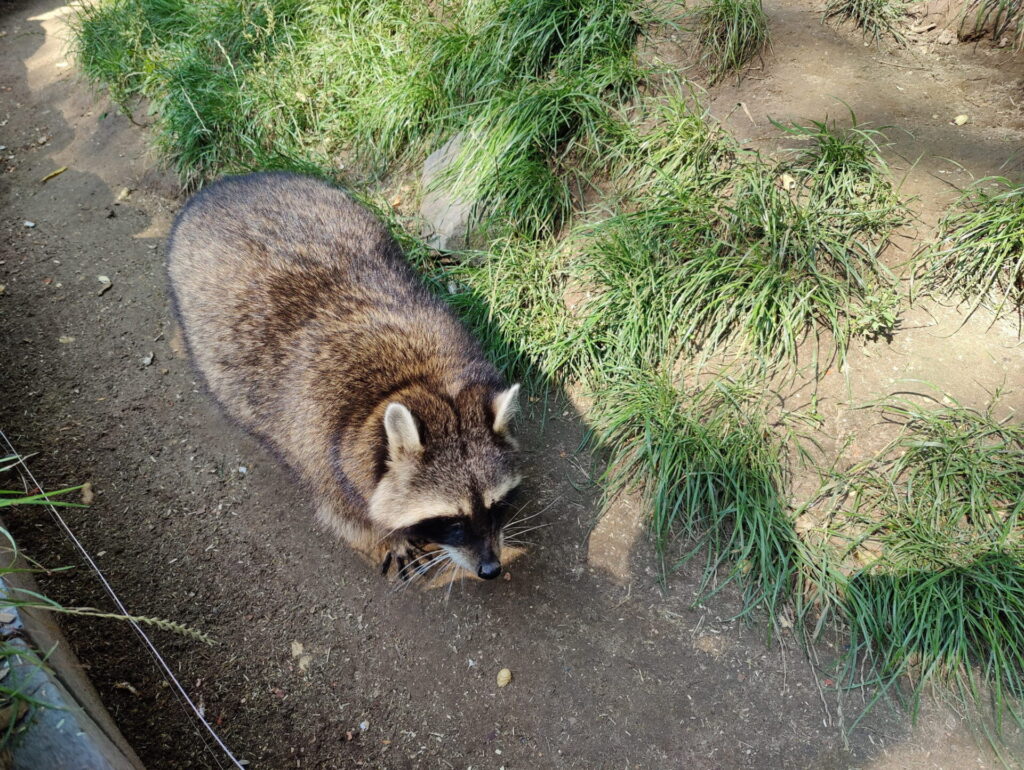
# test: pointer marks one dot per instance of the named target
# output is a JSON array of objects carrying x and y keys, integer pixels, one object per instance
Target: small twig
[{"x": 903, "y": 66}]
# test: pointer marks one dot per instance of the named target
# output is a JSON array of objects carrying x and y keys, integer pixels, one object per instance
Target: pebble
[{"x": 29, "y": 224}]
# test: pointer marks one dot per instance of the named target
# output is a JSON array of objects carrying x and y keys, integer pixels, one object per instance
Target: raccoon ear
[
  {"x": 403, "y": 435},
  {"x": 505, "y": 405}
]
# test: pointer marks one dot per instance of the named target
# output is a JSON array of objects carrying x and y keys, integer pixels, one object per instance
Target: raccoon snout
[{"x": 488, "y": 570}]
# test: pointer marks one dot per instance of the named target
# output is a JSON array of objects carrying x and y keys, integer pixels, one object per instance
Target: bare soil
[{"x": 194, "y": 522}]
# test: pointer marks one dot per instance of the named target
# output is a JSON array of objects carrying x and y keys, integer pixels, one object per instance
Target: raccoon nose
[{"x": 488, "y": 570}]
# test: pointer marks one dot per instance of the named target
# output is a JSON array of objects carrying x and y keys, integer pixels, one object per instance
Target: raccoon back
[{"x": 303, "y": 316}]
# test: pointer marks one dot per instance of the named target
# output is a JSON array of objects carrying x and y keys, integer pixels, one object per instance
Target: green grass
[
  {"x": 716, "y": 247},
  {"x": 364, "y": 87},
  {"x": 1000, "y": 19},
  {"x": 930, "y": 579},
  {"x": 979, "y": 254},
  {"x": 712, "y": 470},
  {"x": 730, "y": 33},
  {"x": 875, "y": 18}
]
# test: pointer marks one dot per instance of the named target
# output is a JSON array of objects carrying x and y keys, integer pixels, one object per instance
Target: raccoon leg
[
  {"x": 406, "y": 557},
  {"x": 399, "y": 556}
]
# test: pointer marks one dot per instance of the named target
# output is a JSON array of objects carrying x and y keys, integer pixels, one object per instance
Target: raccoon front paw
[{"x": 402, "y": 557}]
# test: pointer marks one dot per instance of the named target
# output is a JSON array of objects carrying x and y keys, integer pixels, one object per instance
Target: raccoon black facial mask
[{"x": 311, "y": 330}]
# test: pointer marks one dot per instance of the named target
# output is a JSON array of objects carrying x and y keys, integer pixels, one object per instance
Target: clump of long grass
[
  {"x": 979, "y": 254},
  {"x": 875, "y": 18},
  {"x": 730, "y": 33},
  {"x": 931, "y": 571},
  {"x": 365, "y": 86},
  {"x": 721, "y": 246},
  {"x": 713, "y": 475},
  {"x": 1000, "y": 19}
]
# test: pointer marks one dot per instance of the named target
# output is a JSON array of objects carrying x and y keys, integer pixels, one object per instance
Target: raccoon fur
[{"x": 310, "y": 328}]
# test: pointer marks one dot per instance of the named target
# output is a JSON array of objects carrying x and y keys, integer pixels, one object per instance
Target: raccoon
[{"x": 311, "y": 330}]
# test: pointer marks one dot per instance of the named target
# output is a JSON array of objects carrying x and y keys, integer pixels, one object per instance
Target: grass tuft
[
  {"x": 979, "y": 255},
  {"x": 874, "y": 18},
  {"x": 730, "y": 33},
  {"x": 717, "y": 246},
  {"x": 713, "y": 473},
  {"x": 931, "y": 580},
  {"x": 1000, "y": 19}
]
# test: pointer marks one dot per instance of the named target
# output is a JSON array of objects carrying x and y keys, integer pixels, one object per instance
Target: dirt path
[{"x": 194, "y": 522}]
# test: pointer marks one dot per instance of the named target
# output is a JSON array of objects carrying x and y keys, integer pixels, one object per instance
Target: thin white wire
[{"x": 168, "y": 674}]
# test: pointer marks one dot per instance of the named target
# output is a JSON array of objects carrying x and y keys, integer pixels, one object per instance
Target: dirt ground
[{"x": 193, "y": 521}]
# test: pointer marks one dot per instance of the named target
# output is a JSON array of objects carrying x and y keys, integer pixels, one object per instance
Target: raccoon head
[{"x": 450, "y": 465}]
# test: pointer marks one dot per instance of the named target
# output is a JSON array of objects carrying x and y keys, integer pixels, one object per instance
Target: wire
[{"x": 161, "y": 663}]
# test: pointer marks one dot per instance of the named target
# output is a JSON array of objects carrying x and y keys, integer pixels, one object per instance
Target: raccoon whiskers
[
  {"x": 428, "y": 562},
  {"x": 514, "y": 518},
  {"x": 509, "y": 534},
  {"x": 517, "y": 542},
  {"x": 417, "y": 566},
  {"x": 451, "y": 582}
]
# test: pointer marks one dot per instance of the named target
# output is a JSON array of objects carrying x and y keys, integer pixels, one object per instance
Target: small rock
[
  {"x": 147, "y": 359},
  {"x": 87, "y": 494},
  {"x": 123, "y": 195},
  {"x": 65, "y": 340},
  {"x": 447, "y": 218},
  {"x": 3, "y": 288},
  {"x": 242, "y": 469},
  {"x": 29, "y": 224},
  {"x": 946, "y": 37},
  {"x": 504, "y": 677},
  {"x": 106, "y": 284},
  {"x": 959, "y": 120},
  {"x": 7, "y": 617},
  {"x": 364, "y": 726}
]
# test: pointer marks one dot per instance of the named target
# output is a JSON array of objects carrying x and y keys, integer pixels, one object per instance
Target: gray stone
[{"x": 446, "y": 218}]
